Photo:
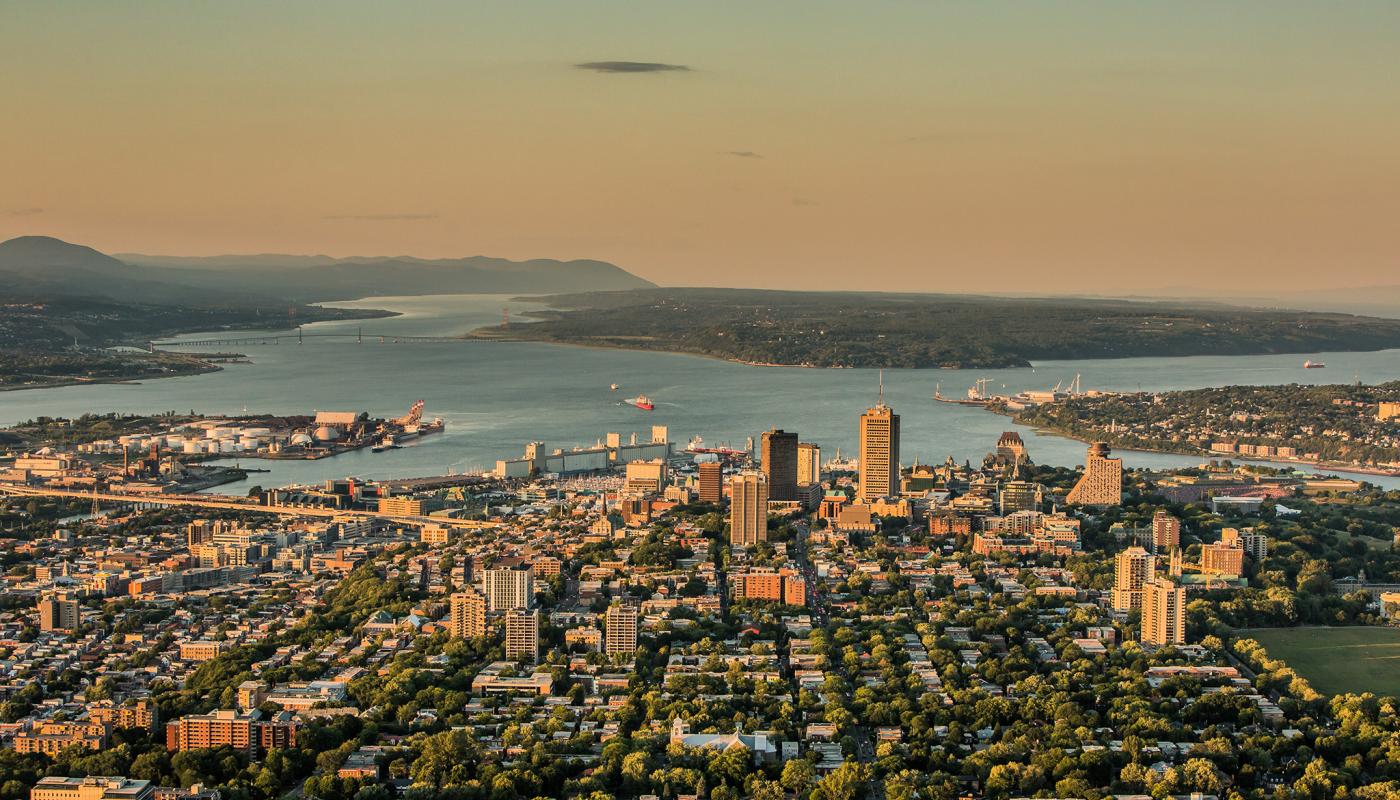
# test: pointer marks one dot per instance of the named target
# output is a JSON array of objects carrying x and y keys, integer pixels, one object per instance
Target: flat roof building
[
  {"x": 621, "y": 635},
  {"x": 711, "y": 481},
  {"x": 91, "y": 788}
]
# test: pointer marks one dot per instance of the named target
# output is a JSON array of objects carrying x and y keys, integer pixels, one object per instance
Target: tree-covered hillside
[{"x": 847, "y": 329}]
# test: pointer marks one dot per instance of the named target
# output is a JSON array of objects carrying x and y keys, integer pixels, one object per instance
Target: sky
[{"x": 929, "y": 146}]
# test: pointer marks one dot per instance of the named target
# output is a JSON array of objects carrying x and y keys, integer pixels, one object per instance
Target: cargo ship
[
  {"x": 1313, "y": 365},
  {"x": 976, "y": 395},
  {"x": 698, "y": 446},
  {"x": 641, "y": 401}
]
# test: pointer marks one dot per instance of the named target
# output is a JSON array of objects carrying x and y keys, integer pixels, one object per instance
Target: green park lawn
[{"x": 1338, "y": 660}]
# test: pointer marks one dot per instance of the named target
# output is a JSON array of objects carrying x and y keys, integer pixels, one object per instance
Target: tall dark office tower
[{"x": 780, "y": 464}]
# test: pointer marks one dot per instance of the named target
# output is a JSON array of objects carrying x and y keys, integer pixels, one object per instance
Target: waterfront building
[
  {"x": 1010, "y": 447},
  {"x": 809, "y": 463},
  {"x": 879, "y": 451},
  {"x": 59, "y": 613},
  {"x": 612, "y": 452},
  {"x": 778, "y": 450},
  {"x": 748, "y": 509},
  {"x": 506, "y": 588},
  {"x": 621, "y": 634},
  {"x": 1102, "y": 481},
  {"x": 468, "y": 614},
  {"x": 1163, "y": 612},
  {"x": 523, "y": 635},
  {"x": 711, "y": 481},
  {"x": 1133, "y": 568},
  {"x": 1166, "y": 532}
]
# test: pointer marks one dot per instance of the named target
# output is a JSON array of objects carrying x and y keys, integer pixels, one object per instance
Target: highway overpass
[{"x": 231, "y": 503}]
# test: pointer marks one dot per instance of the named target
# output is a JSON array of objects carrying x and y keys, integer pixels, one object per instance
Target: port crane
[
  {"x": 979, "y": 389},
  {"x": 412, "y": 418}
]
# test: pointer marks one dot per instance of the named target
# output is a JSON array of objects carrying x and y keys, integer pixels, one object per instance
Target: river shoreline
[
  {"x": 1352, "y": 469},
  {"x": 133, "y": 380},
  {"x": 495, "y": 399}
]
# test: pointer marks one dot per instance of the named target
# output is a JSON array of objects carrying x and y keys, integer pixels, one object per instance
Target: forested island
[
  {"x": 861, "y": 329},
  {"x": 1340, "y": 425}
]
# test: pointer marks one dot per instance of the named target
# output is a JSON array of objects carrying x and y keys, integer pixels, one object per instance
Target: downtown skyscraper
[
  {"x": 748, "y": 509},
  {"x": 879, "y": 451},
  {"x": 779, "y": 459}
]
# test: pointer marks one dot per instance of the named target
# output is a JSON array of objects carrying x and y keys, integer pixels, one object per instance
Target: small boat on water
[
  {"x": 386, "y": 443},
  {"x": 616, "y": 386},
  {"x": 641, "y": 401},
  {"x": 1313, "y": 365}
]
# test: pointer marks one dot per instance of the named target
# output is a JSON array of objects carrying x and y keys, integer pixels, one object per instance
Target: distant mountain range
[{"x": 41, "y": 267}]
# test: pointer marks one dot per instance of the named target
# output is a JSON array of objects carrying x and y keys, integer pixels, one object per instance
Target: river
[{"x": 496, "y": 396}]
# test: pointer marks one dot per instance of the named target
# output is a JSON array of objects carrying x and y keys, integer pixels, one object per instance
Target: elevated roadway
[{"x": 231, "y": 503}]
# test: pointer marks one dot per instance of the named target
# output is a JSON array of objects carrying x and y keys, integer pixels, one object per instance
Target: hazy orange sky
[{"x": 913, "y": 145}]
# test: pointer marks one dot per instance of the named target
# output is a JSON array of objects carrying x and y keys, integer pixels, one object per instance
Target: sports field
[{"x": 1338, "y": 660}]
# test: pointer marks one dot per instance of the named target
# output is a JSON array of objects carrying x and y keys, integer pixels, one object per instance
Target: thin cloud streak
[
  {"x": 630, "y": 67},
  {"x": 23, "y": 212},
  {"x": 744, "y": 154},
  {"x": 381, "y": 217}
]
